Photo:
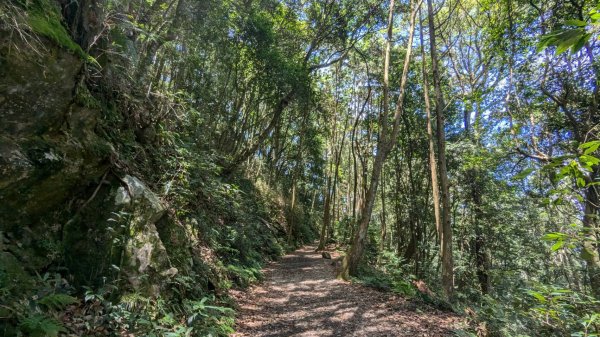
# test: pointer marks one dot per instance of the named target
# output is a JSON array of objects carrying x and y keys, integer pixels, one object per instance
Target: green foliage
[
  {"x": 401, "y": 278},
  {"x": 503, "y": 317},
  {"x": 564, "y": 311},
  {"x": 540, "y": 310},
  {"x": 375, "y": 280},
  {"x": 571, "y": 38},
  {"x": 566, "y": 39},
  {"x": 85, "y": 97},
  {"x": 35, "y": 313},
  {"x": 39, "y": 325},
  {"x": 47, "y": 24},
  {"x": 190, "y": 313},
  {"x": 43, "y": 17},
  {"x": 389, "y": 276},
  {"x": 181, "y": 97},
  {"x": 57, "y": 301},
  {"x": 156, "y": 317},
  {"x": 243, "y": 276}
]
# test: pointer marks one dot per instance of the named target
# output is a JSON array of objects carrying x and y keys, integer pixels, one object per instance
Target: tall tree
[
  {"x": 386, "y": 141},
  {"x": 446, "y": 237},
  {"x": 430, "y": 137}
]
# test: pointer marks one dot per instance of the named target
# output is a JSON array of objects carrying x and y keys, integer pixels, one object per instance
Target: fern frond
[
  {"x": 41, "y": 326},
  {"x": 57, "y": 301}
]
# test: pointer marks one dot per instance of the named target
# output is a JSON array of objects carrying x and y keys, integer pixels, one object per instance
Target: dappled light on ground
[{"x": 300, "y": 296}]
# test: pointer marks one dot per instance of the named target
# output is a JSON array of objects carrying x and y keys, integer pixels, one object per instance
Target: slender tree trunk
[
  {"x": 383, "y": 237},
  {"x": 338, "y": 160},
  {"x": 331, "y": 185},
  {"x": 292, "y": 215},
  {"x": 397, "y": 206},
  {"x": 384, "y": 145},
  {"x": 326, "y": 215},
  {"x": 411, "y": 249},
  {"x": 355, "y": 169},
  {"x": 446, "y": 239},
  {"x": 251, "y": 148},
  {"x": 432, "y": 159},
  {"x": 481, "y": 258},
  {"x": 352, "y": 259}
]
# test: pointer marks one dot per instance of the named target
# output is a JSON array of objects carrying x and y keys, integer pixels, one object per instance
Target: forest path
[{"x": 300, "y": 296}]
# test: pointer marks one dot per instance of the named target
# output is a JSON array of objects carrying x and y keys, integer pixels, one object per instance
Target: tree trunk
[
  {"x": 326, "y": 215},
  {"x": 446, "y": 239},
  {"x": 432, "y": 159},
  {"x": 481, "y": 256},
  {"x": 292, "y": 219},
  {"x": 338, "y": 159},
  {"x": 398, "y": 206},
  {"x": 352, "y": 259},
  {"x": 251, "y": 148},
  {"x": 383, "y": 237},
  {"x": 384, "y": 145}
]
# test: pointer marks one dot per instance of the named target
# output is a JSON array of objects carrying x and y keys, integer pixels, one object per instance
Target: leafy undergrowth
[
  {"x": 391, "y": 278},
  {"x": 53, "y": 312},
  {"x": 535, "y": 310},
  {"x": 238, "y": 226}
]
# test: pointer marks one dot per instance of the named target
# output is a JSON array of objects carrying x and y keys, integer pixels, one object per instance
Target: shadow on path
[{"x": 300, "y": 296}]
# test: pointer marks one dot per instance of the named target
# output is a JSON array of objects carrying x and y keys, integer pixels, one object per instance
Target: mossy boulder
[
  {"x": 115, "y": 238},
  {"x": 145, "y": 253}
]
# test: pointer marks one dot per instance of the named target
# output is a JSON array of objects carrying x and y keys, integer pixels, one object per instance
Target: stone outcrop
[{"x": 59, "y": 196}]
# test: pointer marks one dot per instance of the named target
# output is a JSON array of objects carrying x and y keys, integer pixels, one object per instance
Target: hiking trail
[{"x": 300, "y": 296}]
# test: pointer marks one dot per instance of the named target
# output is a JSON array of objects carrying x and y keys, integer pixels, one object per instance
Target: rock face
[
  {"x": 60, "y": 201},
  {"x": 48, "y": 149},
  {"x": 47, "y": 143},
  {"x": 144, "y": 250}
]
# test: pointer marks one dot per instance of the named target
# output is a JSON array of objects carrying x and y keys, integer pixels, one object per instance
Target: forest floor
[{"x": 300, "y": 296}]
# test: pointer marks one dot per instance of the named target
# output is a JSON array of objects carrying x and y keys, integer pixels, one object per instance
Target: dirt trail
[{"x": 300, "y": 296}]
